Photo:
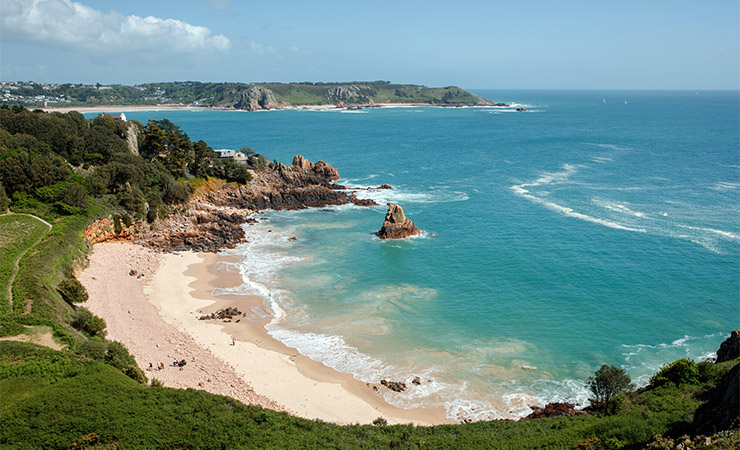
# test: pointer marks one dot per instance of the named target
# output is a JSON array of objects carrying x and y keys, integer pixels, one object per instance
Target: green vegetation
[
  {"x": 53, "y": 399},
  {"x": 237, "y": 95},
  {"x": 607, "y": 384},
  {"x": 91, "y": 394},
  {"x": 19, "y": 233}
]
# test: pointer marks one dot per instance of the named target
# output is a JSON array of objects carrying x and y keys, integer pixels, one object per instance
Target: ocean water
[{"x": 595, "y": 228}]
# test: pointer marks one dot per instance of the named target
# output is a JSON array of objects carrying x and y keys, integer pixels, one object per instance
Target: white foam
[
  {"x": 402, "y": 196},
  {"x": 608, "y": 146},
  {"x": 725, "y": 186},
  {"x": 562, "y": 177}
]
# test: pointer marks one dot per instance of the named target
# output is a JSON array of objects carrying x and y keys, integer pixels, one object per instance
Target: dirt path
[{"x": 18, "y": 259}]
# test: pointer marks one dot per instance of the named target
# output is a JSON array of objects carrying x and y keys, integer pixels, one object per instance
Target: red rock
[{"x": 396, "y": 225}]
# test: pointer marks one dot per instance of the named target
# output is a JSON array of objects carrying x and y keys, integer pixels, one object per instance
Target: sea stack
[{"x": 396, "y": 225}]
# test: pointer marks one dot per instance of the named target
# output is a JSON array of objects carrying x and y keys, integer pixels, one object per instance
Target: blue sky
[{"x": 474, "y": 44}]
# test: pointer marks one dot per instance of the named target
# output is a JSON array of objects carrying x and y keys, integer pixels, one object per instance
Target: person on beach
[
  {"x": 233, "y": 341},
  {"x": 151, "y": 366}
]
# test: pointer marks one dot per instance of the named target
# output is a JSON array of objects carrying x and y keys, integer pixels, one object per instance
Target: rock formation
[
  {"x": 730, "y": 348},
  {"x": 213, "y": 220},
  {"x": 257, "y": 98},
  {"x": 227, "y": 313},
  {"x": 396, "y": 225},
  {"x": 521, "y": 109},
  {"x": 396, "y": 386}
]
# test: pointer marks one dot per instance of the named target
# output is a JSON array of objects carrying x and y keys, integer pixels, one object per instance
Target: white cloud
[
  {"x": 74, "y": 26},
  {"x": 262, "y": 49}
]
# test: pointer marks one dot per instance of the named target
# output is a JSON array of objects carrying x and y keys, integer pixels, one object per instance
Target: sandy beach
[{"x": 156, "y": 317}]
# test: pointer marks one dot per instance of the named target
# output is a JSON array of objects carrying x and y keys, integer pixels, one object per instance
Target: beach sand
[{"x": 156, "y": 317}]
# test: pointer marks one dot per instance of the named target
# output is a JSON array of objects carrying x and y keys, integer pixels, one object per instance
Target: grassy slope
[{"x": 19, "y": 234}]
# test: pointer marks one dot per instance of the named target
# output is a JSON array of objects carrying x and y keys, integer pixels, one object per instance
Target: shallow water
[{"x": 598, "y": 227}]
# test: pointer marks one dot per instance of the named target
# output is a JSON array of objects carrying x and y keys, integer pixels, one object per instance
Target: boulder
[
  {"x": 396, "y": 386},
  {"x": 384, "y": 186},
  {"x": 396, "y": 225},
  {"x": 730, "y": 348}
]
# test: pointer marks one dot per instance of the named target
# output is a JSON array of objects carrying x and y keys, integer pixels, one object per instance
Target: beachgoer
[
  {"x": 174, "y": 362},
  {"x": 151, "y": 366},
  {"x": 233, "y": 341}
]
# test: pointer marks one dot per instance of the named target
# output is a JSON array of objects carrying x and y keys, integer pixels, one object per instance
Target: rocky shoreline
[{"x": 212, "y": 220}]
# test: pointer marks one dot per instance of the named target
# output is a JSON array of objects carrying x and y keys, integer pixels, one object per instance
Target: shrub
[
  {"x": 156, "y": 383},
  {"x": 84, "y": 320},
  {"x": 93, "y": 349},
  {"x": 380, "y": 422},
  {"x": 126, "y": 220},
  {"x": 117, "y": 228},
  {"x": 72, "y": 291},
  {"x": 709, "y": 371},
  {"x": 682, "y": 371}
]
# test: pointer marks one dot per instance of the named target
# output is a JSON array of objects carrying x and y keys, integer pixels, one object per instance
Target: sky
[{"x": 524, "y": 44}]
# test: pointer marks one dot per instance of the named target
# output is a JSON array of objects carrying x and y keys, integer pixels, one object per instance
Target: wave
[
  {"x": 400, "y": 195},
  {"x": 643, "y": 360},
  {"x": 561, "y": 177},
  {"x": 608, "y": 146},
  {"x": 724, "y": 186}
]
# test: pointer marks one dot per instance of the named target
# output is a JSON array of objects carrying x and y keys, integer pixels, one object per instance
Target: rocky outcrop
[
  {"x": 384, "y": 186},
  {"x": 212, "y": 220},
  {"x": 729, "y": 349},
  {"x": 396, "y": 225},
  {"x": 203, "y": 227},
  {"x": 258, "y": 98},
  {"x": 103, "y": 230},
  {"x": 226, "y": 313},
  {"x": 302, "y": 163},
  {"x": 132, "y": 138},
  {"x": 396, "y": 386},
  {"x": 554, "y": 409}
]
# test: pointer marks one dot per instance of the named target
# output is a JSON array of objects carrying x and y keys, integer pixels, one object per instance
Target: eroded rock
[{"x": 396, "y": 225}]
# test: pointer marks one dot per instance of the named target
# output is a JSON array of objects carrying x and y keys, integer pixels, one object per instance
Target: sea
[{"x": 596, "y": 227}]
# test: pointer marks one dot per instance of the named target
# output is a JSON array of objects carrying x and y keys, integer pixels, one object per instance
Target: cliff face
[
  {"x": 213, "y": 220},
  {"x": 257, "y": 98},
  {"x": 396, "y": 225}
]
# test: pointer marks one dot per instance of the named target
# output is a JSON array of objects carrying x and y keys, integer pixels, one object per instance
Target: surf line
[{"x": 568, "y": 170}]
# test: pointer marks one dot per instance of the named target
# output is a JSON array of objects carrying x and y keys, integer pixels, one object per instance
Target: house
[
  {"x": 119, "y": 116},
  {"x": 237, "y": 156}
]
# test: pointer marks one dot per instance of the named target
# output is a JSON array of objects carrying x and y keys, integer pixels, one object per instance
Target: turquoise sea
[{"x": 597, "y": 227}]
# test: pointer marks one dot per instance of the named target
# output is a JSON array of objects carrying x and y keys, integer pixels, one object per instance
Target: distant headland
[{"x": 237, "y": 96}]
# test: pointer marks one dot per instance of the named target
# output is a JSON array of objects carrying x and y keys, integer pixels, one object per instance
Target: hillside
[{"x": 245, "y": 96}]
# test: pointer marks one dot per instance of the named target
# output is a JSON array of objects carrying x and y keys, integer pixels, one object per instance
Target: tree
[{"x": 607, "y": 383}]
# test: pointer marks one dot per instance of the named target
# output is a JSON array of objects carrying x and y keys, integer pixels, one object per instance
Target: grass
[{"x": 19, "y": 234}]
